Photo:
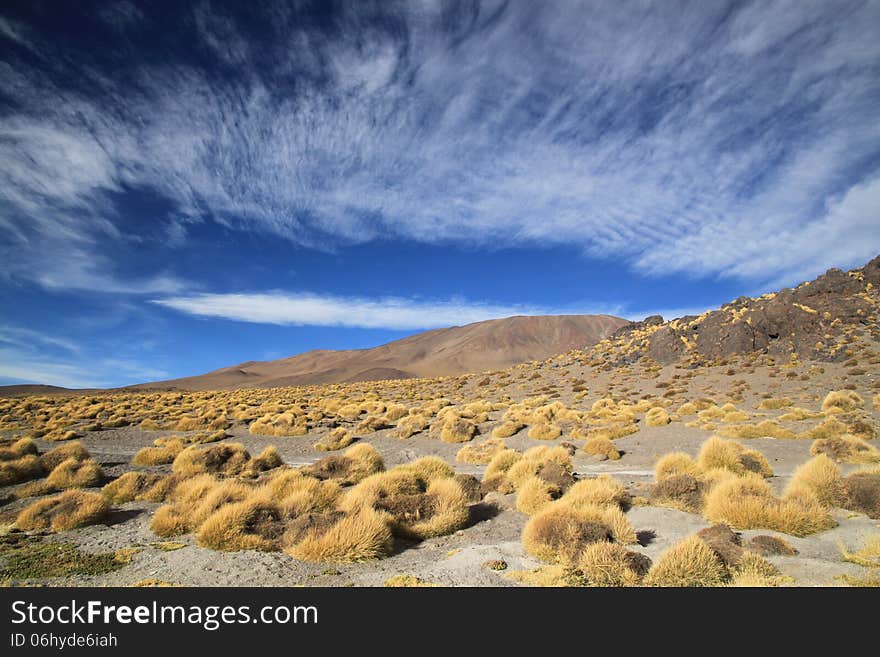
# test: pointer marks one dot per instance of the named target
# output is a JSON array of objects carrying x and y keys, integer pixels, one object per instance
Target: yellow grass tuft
[
  {"x": 17, "y": 449},
  {"x": 134, "y": 485},
  {"x": 75, "y": 474},
  {"x": 774, "y": 404},
  {"x": 534, "y": 494},
  {"x": 408, "y": 581},
  {"x": 21, "y": 469},
  {"x": 729, "y": 455},
  {"x": 842, "y": 401},
  {"x": 507, "y": 429},
  {"x": 338, "y": 438},
  {"x": 218, "y": 458},
  {"x": 280, "y": 424},
  {"x": 457, "y": 429},
  {"x": 821, "y": 477},
  {"x": 74, "y": 450},
  {"x": 748, "y": 503},
  {"x": 657, "y": 417},
  {"x": 74, "y": 508},
  {"x": 560, "y": 532},
  {"x": 610, "y": 564},
  {"x": 599, "y": 491},
  {"x": 763, "y": 429},
  {"x": 361, "y": 536},
  {"x": 544, "y": 431},
  {"x": 690, "y": 563},
  {"x": 846, "y": 449},
  {"x": 603, "y": 448},
  {"x": 165, "y": 451},
  {"x": 674, "y": 464},
  {"x": 254, "y": 524},
  {"x": 755, "y": 571}
]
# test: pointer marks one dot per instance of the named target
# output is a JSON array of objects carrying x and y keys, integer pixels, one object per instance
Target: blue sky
[{"x": 185, "y": 186}]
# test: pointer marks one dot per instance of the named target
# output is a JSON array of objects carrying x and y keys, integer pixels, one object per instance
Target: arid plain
[{"x": 733, "y": 448}]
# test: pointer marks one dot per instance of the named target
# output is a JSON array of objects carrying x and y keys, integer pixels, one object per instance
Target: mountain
[
  {"x": 816, "y": 320},
  {"x": 489, "y": 345}
]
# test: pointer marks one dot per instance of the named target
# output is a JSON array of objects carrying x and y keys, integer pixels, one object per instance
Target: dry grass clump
[
  {"x": 797, "y": 414},
  {"x": 842, "y": 401},
  {"x": 552, "y": 464},
  {"x": 407, "y": 581},
  {"x": 481, "y": 453},
  {"x": 560, "y": 531},
  {"x": 254, "y": 524},
  {"x": 508, "y": 429},
  {"x": 75, "y": 474},
  {"x": 281, "y": 424},
  {"x": 420, "y": 499},
  {"x": 600, "y": 491},
  {"x": 338, "y": 438},
  {"x": 819, "y": 476},
  {"x": 863, "y": 493},
  {"x": 11, "y": 450},
  {"x": 361, "y": 536},
  {"x": 534, "y": 494},
  {"x": 299, "y": 495},
  {"x": 846, "y": 449},
  {"x": 194, "y": 501},
  {"x": 729, "y": 455},
  {"x": 544, "y": 431},
  {"x": 774, "y": 404},
  {"x": 829, "y": 428},
  {"x": 441, "y": 510},
  {"x": 602, "y": 448},
  {"x": 24, "y": 468},
  {"x": 411, "y": 425},
  {"x": 350, "y": 467},
  {"x": 612, "y": 432},
  {"x": 748, "y": 502},
  {"x": 554, "y": 575},
  {"x": 763, "y": 429},
  {"x": 689, "y": 563},
  {"x": 755, "y": 571},
  {"x": 136, "y": 485},
  {"x": 75, "y": 450},
  {"x": 268, "y": 459},
  {"x": 74, "y": 508},
  {"x": 679, "y": 491},
  {"x": 657, "y": 417},
  {"x": 220, "y": 458},
  {"x": 456, "y": 429},
  {"x": 165, "y": 451},
  {"x": 611, "y": 564},
  {"x": 674, "y": 464}
]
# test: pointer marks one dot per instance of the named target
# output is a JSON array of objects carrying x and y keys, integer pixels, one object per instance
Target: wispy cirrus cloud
[
  {"x": 737, "y": 139},
  {"x": 306, "y": 309}
]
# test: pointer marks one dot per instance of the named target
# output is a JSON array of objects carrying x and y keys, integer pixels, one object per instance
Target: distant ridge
[{"x": 488, "y": 345}]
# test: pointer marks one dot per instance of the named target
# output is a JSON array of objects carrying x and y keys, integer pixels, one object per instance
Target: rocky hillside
[{"x": 815, "y": 320}]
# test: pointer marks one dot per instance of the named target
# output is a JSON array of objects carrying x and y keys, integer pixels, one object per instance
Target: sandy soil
[{"x": 456, "y": 560}]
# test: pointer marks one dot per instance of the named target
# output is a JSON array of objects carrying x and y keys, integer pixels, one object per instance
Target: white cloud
[
  {"x": 679, "y": 141},
  {"x": 328, "y": 310}
]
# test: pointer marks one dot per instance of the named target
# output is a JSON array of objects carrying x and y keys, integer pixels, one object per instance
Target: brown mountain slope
[{"x": 488, "y": 345}]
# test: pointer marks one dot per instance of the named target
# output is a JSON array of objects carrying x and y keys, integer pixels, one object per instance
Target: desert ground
[{"x": 629, "y": 463}]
